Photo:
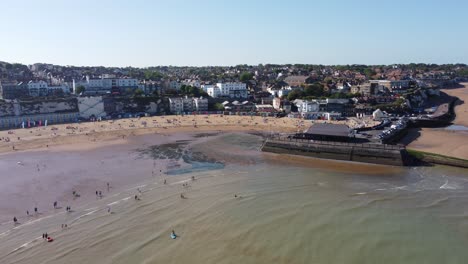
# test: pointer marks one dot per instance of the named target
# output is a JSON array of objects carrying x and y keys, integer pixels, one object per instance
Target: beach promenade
[{"x": 446, "y": 141}]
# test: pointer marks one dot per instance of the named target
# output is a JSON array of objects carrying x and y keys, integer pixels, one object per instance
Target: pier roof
[{"x": 337, "y": 130}]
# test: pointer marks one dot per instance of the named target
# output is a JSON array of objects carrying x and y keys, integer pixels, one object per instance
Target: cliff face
[
  {"x": 135, "y": 105},
  {"x": 18, "y": 108},
  {"x": 52, "y": 106},
  {"x": 87, "y": 106},
  {"x": 7, "y": 108}
]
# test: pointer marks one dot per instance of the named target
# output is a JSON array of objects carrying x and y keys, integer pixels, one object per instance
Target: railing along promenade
[{"x": 305, "y": 142}]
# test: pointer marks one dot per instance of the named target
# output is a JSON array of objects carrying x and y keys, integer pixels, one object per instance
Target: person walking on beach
[
  {"x": 55, "y": 205},
  {"x": 108, "y": 187},
  {"x": 35, "y": 210},
  {"x": 27, "y": 212}
]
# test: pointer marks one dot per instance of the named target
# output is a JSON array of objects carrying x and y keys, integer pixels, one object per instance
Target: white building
[
  {"x": 200, "y": 104},
  {"x": 108, "y": 85},
  {"x": 283, "y": 92},
  {"x": 39, "y": 88},
  {"x": 174, "y": 85},
  {"x": 214, "y": 91},
  {"x": 176, "y": 105},
  {"x": 179, "y": 105},
  {"x": 193, "y": 83},
  {"x": 304, "y": 106},
  {"x": 64, "y": 88},
  {"x": 205, "y": 87},
  {"x": 232, "y": 90}
]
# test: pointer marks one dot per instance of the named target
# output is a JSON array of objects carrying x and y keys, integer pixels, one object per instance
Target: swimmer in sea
[{"x": 15, "y": 220}]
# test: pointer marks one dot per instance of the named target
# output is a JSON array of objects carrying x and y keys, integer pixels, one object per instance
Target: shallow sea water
[{"x": 283, "y": 213}]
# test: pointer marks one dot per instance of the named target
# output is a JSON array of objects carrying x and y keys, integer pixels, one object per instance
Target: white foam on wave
[
  {"x": 118, "y": 201},
  {"x": 179, "y": 182},
  {"x": 83, "y": 215},
  {"x": 5, "y": 233},
  {"x": 448, "y": 186},
  {"x": 24, "y": 245},
  {"x": 136, "y": 187}
]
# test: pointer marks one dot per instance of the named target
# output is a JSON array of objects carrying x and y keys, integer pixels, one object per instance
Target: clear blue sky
[{"x": 197, "y": 32}]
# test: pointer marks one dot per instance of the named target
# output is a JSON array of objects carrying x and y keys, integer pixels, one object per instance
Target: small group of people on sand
[{"x": 47, "y": 237}]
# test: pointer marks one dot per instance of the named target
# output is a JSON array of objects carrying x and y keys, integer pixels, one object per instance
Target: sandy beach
[
  {"x": 446, "y": 141},
  {"x": 94, "y": 134}
]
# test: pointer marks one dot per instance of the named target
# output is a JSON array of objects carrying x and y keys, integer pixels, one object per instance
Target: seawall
[
  {"x": 367, "y": 153},
  {"x": 433, "y": 158}
]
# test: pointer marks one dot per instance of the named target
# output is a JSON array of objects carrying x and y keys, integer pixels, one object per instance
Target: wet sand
[
  {"x": 287, "y": 210},
  {"x": 442, "y": 141}
]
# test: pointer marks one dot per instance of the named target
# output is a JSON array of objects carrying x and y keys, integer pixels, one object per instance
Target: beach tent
[{"x": 378, "y": 114}]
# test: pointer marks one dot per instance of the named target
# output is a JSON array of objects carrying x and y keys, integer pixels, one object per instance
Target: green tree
[
  {"x": 315, "y": 89},
  {"x": 369, "y": 73},
  {"x": 80, "y": 89},
  {"x": 219, "y": 107},
  {"x": 295, "y": 94},
  {"x": 138, "y": 93},
  {"x": 246, "y": 76},
  {"x": 153, "y": 75}
]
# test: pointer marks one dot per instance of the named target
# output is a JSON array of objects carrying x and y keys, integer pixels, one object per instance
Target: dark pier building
[{"x": 327, "y": 132}]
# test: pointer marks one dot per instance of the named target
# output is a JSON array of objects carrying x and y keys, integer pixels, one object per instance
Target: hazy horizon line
[{"x": 234, "y": 65}]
